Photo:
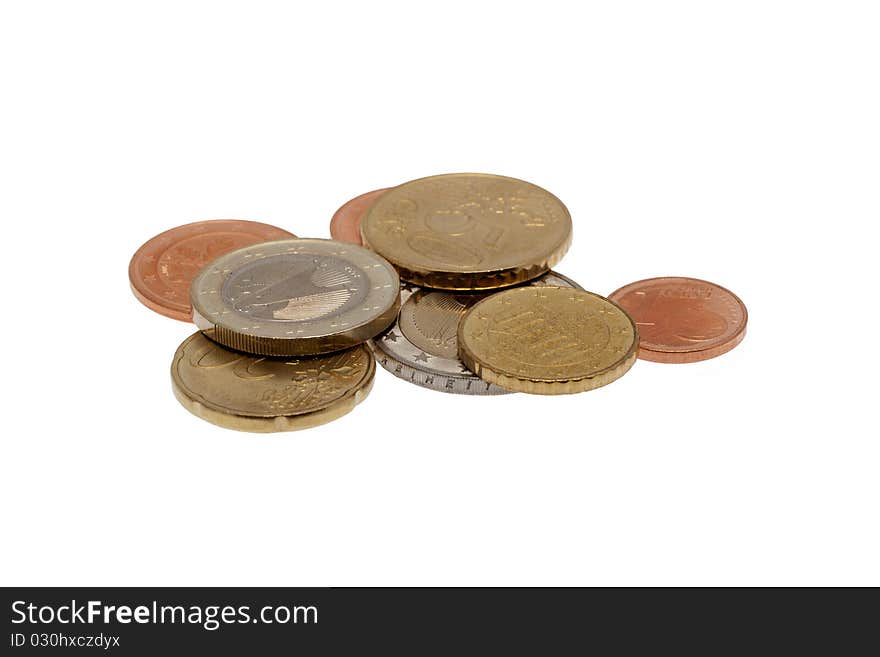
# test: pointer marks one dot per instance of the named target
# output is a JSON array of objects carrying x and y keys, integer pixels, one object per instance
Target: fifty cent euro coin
[
  {"x": 345, "y": 225},
  {"x": 251, "y": 393},
  {"x": 683, "y": 320},
  {"x": 468, "y": 231},
  {"x": 295, "y": 297},
  {"x": 547, "y": 340},
  {"x": 161, "y": 271},
  {"x": 422, "y": 345}
]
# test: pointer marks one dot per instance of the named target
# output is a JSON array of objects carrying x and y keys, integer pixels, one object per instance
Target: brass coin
[
  {"x": 468, "y": 231},
  {"x": 252, "y": 393},
  {"x": 422, "y": 346},
  {"x": 295, "y": 297},
  {"x": 547, "y": 340}
]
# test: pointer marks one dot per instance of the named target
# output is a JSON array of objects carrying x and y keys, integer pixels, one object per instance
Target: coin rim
[
  {"x": 264, "y": 345},
  {"x": 203, "y": 408},
  {"x": 547, "y": 385},
  {"x": 673, "y": 355},
  {"x": 181, "y": 312},
  {"x": 475, "y": 280}
]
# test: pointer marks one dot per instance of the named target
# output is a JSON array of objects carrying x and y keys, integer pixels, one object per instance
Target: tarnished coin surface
[
  {"x": 345, "y": 225},
  {"x": 295, "y": 297},
  {"x": 253, "y": 393},
  {"x": 162, "y": 269},
  {"x": 422, "y": 346},
  {"x": 468, "y": 231},
  {"x": 683, "y": 320},
  {"x": 547, "y": 340}
]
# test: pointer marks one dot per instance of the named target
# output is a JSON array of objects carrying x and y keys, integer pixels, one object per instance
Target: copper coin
[
  {"x": 160, "y": 272},
  {"x": 683, "y": 320},
  {"x": 345, "y": 226}
]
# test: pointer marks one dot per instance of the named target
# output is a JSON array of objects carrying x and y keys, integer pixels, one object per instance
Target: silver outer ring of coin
[
  {"x": 407, "y": 361},
  {"x": 366, "y": 277}
]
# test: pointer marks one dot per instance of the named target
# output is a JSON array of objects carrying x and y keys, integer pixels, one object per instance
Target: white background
[{"x": 736, "y": 142}]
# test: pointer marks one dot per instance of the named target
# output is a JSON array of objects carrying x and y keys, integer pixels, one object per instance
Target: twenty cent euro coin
[
  {"x": 422, "y": 345},
  {"x": 295, "y": 297},
  {"x": 345, "y": 225},
  {"x": 683, "y": 320},
  {"x": 161, "y": 271},
  {"x": 547, "y": 340},
  {"x": 468, "y": 231},
  {"x": 251, "y": 393}
]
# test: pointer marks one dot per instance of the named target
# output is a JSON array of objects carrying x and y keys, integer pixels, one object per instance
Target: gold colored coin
[
  {"x": 468, "y": 231},
  {"x": 252, "y": 393},
  {"x": 547, "y": 340}
]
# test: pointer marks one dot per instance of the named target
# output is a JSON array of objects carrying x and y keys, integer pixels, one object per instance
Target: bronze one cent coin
[
  {"x": 160, "y": 272},
  {"x": 345, "y": 226},
  {"x": 683, "y": 320}
]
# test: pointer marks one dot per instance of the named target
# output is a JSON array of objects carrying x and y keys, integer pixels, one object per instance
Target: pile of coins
[{"x": 445, "y": 281}]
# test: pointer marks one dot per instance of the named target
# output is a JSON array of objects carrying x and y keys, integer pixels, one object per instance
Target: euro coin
[
  {"x": 468, "y": 231},
  {"x": 547, "y": 340},
  {"x": 345, "y": 225},
  {"x": 252, "y": 393},
  {"x": 295, "y": 297},
  {"x": 683, "y": 320},
  {"x": 162, "y": 269},
  {"x": 422, "y": 345}
]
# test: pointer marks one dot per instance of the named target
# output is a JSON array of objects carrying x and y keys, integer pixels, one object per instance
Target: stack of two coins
[
  {"x": 481, "y": 312},
  {"x": 282, "y": 332}
]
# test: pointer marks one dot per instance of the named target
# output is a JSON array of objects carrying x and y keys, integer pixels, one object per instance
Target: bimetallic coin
[
  {"x": 422, "y": 346},
  {"x": 295, "y": 297},
  {"x": 161, "y": 271},
  {"x": 251, "y": 393},
  {"x": 345, "y": 225},
  {"x": 547, "y": 340},
  {"x": 683, "y": 320},
  {"x": 468, "y": 231}
]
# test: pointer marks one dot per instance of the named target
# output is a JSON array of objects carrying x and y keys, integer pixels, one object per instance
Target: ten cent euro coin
[
  {"x": 295, "y": 297},
  {"x": 250, "y": 393},
  {"x": 345, "y": 225},
  {"x": 422, "y": 345},
  {"x": 547, "y": 340},
  {"x": 683, "y": 320},
  {"x": 161, "y": 271},
  {"x": 468, "y": 231}
]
